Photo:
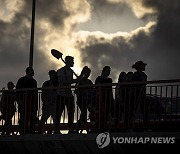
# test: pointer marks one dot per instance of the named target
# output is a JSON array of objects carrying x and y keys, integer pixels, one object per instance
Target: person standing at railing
[
  {"x": 106, "y": 95},
  {"x": 49, "y": 99},
  {"x": 8, "y": 107},
  {"x": 84, "y": 96},
  {"x": 129, "y": 101},
  {"x": 65, "y": 97},
  {"x": 27, "y": 101},
  {"x": 120, "y": 97},
  {"x": 140, "y": 90}
]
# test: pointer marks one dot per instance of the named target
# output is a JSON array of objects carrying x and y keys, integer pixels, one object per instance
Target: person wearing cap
[
  {"x": 65, "y": 97},
  {"x": 8, "y": 107},
  {"x": 140, "y": 89},
  {"x": 49, "y": 97}
]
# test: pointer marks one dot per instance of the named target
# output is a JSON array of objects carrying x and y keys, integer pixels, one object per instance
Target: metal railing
[{"x": 153, "y": 105}]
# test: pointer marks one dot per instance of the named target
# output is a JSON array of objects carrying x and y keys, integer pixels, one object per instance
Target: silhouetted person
[
  {"x": 65, "y": 97},
  {"x": 84, "y": 95},
  {"x": 8, "y": 107},
  {"x": 27, "y": 101},
  {"x": 140, "y": 90},
  {"x": 120, "y": 97},
  {"x": 129, "y": 101},
  {"x": 106, "y": 93},
  {"x": 49, "y": 99}
]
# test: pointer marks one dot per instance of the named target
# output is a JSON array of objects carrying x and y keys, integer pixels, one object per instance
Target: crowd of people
[{"x": 57, "y": 95}]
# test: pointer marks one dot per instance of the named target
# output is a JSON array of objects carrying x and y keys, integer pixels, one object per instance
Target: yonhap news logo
[{"x": 103, "y": 140}]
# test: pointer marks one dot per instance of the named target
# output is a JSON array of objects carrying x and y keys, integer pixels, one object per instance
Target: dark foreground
[{"x": 85, "y": 144}]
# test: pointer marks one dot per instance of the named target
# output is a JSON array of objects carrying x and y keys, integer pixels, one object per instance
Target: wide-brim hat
[{"x": 138, "y": 64}]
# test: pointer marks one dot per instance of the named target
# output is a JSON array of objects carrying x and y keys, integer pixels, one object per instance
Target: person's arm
[
  {"x": 35, "y": 84},
  {"x": 2, "y": 102},
  {"x": 19, "y": 85},
  {"x": 44, "y": 92}
]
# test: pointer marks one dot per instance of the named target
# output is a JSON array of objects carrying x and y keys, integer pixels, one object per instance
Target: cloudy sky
[{"x": 96, "y": 32}]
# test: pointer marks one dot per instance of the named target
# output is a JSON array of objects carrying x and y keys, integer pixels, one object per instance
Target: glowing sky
[{"x": 96, "y": 32}]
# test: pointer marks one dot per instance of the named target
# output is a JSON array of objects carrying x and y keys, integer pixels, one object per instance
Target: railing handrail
[{"x": 98, "y": 85}]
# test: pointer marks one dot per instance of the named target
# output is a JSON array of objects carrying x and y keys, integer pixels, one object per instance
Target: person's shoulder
[
  {"x": 60, "y": 71},
  {"x": 22, "y": 79},
  {"x": 20, "y": 82},
  {"x": 89, "y": 81},
  {"x": 46, "y": 83},
  {"x": 144, "y": 74},
  {"x": 34, "y": 80},
  {"x": 98, "y": 79},
  {"x": 109, "y": 80},
  {"x": 135, "y": 73}
]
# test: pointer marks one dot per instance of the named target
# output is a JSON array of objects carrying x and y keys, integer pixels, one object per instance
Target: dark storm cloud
[
  {"x": 165, "y": 50},
  {"x": 15, "y": 40},
  {"x": 160, "y": 49},
  {"x": 119, "y": 53},
  {"x": 167, "y": 30}
]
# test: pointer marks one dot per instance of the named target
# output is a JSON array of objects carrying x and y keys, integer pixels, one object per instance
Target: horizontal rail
[
  {"x": 101, "y": 85},
  {"x": 96, "y": 108}
]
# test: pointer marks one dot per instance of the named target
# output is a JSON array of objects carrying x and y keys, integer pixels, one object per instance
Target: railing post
[{"x": 101, "y": 109}]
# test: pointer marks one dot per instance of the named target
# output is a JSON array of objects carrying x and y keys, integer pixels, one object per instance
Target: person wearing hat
[
  {"x": 140, "y": 90},
  {"x": 139, "y": 75},
  {"x": 8, "y": 108},
  {"x": 49, "y": 97}
]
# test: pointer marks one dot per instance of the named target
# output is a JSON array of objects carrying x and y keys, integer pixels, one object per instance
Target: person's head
[
  {"x": 106, "y": 71},
  {"x": 10, "y": 85},
  {"x": 129, "y": 76},
  {"x": 122, "y": 77},
  {"x": 69, "y": 61},
  {"x": 29, "y": 71},
  {"x": 139, "y": 66},
  {"x": 86, "y": 72},
  {"x": 52, "y": 75}
]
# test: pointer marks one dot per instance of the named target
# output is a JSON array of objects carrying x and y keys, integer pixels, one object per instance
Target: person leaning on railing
[
  {"x": 8, "y": 108},
  {"x": 129, "y": 101},
  {"x": 120, "y": 98},
  {"x": 27, "y": 102},
  {"x": 49, "y": 99},
  {"x": 84, "y": 96},
  {"x": 106, "y": 95},
  {"x": 140, "y": 90}
]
